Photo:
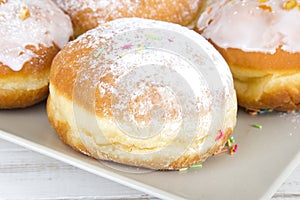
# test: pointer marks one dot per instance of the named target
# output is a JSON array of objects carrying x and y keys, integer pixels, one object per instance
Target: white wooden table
[{"x": 28, "y": 175}]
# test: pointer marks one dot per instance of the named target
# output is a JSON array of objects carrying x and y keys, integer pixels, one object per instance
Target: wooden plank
[
  {"x": 28, "y": 175},
  {"x": 290, "y": 189}
]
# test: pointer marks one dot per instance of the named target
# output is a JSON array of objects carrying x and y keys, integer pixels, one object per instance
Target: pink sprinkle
[
  {"x": 235, "y": 147},
  {"x": 220, "y": 136},
  {"x": 128, "y": 46},
  {"x": 170, "y": 40}
]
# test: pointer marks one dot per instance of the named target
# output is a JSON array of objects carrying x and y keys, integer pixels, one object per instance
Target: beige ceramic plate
[{"x": 264, "y": 159}]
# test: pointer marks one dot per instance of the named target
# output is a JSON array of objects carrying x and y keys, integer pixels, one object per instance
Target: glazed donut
[
  {"x": 144, "y": 93},
  {"x": 87, "y": 14},
  {"x": 260, "y": 42},
  {"x": 31, "y": 34}
]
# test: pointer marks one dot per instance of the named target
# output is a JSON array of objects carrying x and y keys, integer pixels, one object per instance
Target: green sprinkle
[
  {"x": 196, "y": 166},
  {"x": 257, "y": 126},
  {"x": 152, "y": 36},
  {"x": 231, "y": 139},
  {"x": 183, "y": 169}
]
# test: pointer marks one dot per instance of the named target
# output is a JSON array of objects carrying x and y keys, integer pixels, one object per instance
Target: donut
[
  {"x": 143, "y": 93},
  {"x": 260, "y": 42},
  {"x": 31, "y": 34},
  {"x": 87, "y": 14}
]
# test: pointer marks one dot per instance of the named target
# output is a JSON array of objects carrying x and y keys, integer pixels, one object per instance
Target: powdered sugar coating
[
  {"x": 45, "y": 25},
  {"x": 89, "y": 13},
  {"x": 189, "y": 78},
  {"x": 252, "y": 25}
]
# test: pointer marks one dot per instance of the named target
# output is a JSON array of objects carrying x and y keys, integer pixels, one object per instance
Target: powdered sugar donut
[
  {"x": 31, "y": 34},
  {"x": 260, "y": 42},
  {"x": 87, "y": 14},
  {"x": 144, "y": 93}
]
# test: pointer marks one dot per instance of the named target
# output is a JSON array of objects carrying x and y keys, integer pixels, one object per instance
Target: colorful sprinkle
[
  {"x": 257, "y": 126},
  {"x": 141, "y": 48},
  {"x": 232, "y": 140},
  {"x": 233, "y": 149},
  {"x": 126, "y": 47},
  {"x": 265, "y": 111},
  {"x": 197, "y": 166},
  {"x": 220, "y": 135},
  {"x": 183, "y": 169},
  {"x": 256, "y": 112},
  {"x": 229, "y": 143},
  {"x": 230, "y": 147},
  {"x": 152, "y": 36},
  {"x": 123, "y": 54},
  {"x": 170, "y": 40}
]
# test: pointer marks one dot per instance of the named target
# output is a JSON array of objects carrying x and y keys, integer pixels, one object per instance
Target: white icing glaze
[
  {"x": 47, "y": 25},
  {"x": 193, "y": 81},
  {"x": 243, "y": 24}
]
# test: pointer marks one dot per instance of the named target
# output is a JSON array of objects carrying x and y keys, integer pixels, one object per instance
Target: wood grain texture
[{"x": 26, "y": 175}]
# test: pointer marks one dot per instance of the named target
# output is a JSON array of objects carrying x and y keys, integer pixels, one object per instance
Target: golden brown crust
[
  {"x": 188, "y": 160},
  {"x": 22, "y": 98},
  {"x": 64, "y": 72},
  {"x": 265, "y": 81},
  {"x": 182, "y": 12},
  {"x": 68, "y": 135},
  {"x": 92, "y": 126},
  {"x": 280, "y": 61},
  {"x": 28, "y": 86},
  {"x": 61, "y": 115},
  {"x": 63, "y": 129},
  {"x": 64, "y": 68}
]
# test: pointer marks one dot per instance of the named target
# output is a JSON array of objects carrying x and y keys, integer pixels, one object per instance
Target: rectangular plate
[{"x": 263, "y": 161}]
